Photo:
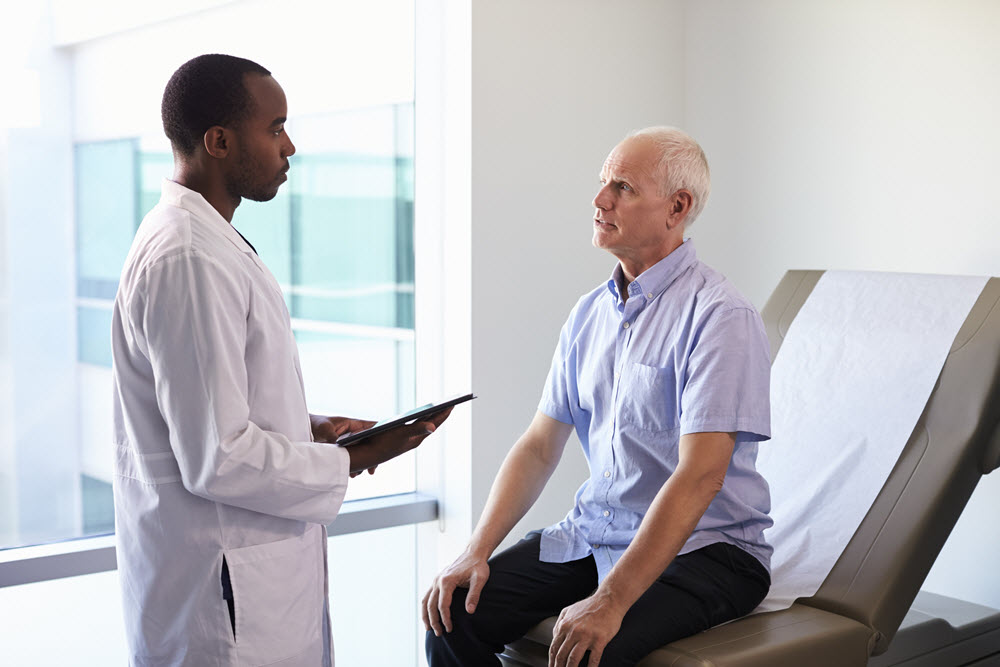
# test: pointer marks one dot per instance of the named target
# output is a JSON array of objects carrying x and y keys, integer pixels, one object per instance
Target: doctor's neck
[{"x": 209, "y": 183}]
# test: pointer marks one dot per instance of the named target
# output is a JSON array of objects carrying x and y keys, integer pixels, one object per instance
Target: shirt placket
[{"x": 623, "y": 338}]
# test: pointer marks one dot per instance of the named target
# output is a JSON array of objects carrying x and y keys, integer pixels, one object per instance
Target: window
[{"x": 338, "y": 238}]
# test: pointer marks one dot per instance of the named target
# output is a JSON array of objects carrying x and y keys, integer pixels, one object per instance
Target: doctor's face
[
  {"x": 261, "y": 158},
  {"x": 631, "y": 215}
]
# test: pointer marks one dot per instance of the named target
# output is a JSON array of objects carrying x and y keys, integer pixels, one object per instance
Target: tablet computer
[{"x": 406, "y": 418}]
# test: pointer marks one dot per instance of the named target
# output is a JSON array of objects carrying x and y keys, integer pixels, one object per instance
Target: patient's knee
[{"x": 467, "y": 643}]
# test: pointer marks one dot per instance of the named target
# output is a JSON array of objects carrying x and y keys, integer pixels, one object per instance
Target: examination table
[{"x": 870, "y": 604}]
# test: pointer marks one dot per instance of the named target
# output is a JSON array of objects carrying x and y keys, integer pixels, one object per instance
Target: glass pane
[
  {"x": 338, "y": 238},
  {"x": 267, "y": 225},
  {"x": 74, "y": 621},
  {"x": 352, "y": 218},
  {"x": 154, "y": 166},
  {"x": 95, "y": 465},
  {"x": 373, "y": 597},
  {"x": 366, "y": 377},
  {"x": 339, "y": 241},
  {"x": 106, "y": 209},
  {"x": 93, "y": 326}
]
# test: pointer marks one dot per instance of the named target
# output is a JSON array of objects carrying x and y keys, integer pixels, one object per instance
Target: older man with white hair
[{"x": 664, "y": 374}]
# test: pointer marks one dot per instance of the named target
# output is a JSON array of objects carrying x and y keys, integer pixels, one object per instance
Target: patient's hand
[
  {"x": 468, "y": 571},
  {"x": 587, "y": 625}
]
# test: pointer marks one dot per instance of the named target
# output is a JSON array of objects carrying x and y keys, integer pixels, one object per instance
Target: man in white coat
[{"x": 224, "y": 482}]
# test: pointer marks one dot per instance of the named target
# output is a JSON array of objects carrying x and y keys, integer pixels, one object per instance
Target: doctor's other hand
[
  {"x": 388, "y": 445},
  {"x": 470, "y": 570},
  {"x": 328, "y": 429}
]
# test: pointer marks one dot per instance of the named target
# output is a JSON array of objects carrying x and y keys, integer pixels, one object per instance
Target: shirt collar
[
  {"x": 175, "y": 194},
  {"x": 652, "y": 282}
]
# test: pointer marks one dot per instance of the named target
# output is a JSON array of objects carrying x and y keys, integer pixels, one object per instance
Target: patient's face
[{"x": 630, "y": 217}]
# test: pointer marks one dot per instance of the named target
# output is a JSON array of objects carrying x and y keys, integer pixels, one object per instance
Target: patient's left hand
[
  {"x": 587, "y": 625},
  {"x": 328, "y": 429}
]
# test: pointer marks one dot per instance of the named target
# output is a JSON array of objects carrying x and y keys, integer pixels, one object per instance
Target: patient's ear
[{"x": 680, "y": 206}]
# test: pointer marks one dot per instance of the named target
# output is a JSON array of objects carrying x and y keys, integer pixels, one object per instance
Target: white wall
[
  {"x": 854, "y": 135},
  {"x": 851, "y": 135},
  {"x": 555, "y": 85}
]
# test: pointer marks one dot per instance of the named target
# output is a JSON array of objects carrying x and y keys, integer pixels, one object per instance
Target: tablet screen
[{"x": 406, "y": 418}]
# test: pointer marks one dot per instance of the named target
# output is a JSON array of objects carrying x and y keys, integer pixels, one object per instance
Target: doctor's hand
[
  {"x": 587, "y": 625},
  {"x": 328, "y": 429},
  {"x": 388, "y": 445},
  {"x": 468, "y": 571}
]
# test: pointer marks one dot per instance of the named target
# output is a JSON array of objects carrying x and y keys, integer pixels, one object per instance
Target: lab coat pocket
[
  {"x": 647, "y": 398},
  {"x": 278, "y": 593}
]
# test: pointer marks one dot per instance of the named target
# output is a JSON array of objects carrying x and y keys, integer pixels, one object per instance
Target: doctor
[{"x": 223, "y": 481}]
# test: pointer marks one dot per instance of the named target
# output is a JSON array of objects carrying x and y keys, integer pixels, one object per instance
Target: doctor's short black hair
[{"x": 204, "y": 92}]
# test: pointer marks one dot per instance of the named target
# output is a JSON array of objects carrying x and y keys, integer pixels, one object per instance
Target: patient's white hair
[{"x": 682, "y": 165}]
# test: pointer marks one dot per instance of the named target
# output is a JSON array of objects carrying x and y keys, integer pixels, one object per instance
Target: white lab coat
[{"x": 214, "y": 453}]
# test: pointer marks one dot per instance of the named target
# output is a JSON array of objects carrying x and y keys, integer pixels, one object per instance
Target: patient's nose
[{"x": 602, "y": 199}]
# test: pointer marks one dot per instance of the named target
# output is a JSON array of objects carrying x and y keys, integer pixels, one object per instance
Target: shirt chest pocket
[{"x": 647, "y": 398}]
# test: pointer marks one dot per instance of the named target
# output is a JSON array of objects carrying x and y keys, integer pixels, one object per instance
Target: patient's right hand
[{"x": 468, "y": 571}]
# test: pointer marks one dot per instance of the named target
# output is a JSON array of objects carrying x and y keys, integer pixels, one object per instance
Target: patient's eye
[{"x": 625, "y": 186}]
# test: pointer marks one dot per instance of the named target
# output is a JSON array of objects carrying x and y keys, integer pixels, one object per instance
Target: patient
[{"x": 663, "y": 372}]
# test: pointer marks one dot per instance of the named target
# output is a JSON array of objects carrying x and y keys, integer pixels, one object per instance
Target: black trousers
[{"x": 698, "y": 590}]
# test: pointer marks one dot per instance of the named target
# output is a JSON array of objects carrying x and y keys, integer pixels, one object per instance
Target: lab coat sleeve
[{"x": 193, "y": 318}]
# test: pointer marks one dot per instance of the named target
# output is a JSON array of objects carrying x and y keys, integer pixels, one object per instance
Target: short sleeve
[
  {"x": 726, "y": 386},
  {"x": 559, "y": 384}
]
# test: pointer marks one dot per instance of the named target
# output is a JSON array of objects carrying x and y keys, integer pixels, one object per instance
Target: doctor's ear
[{"x": 217, "y": 141}]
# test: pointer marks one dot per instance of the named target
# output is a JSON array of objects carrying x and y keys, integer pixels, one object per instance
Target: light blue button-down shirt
[{"x": 686, "y": 353}]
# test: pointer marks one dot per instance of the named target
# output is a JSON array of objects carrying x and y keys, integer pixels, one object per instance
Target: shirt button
[
  {"x": 625, "y": 326},
  {"x": 649, "y": 296},
  {"x": 596, "y": 546},
  {"x": 607, "y": 473},
  {"x": 607, "y": 513}
]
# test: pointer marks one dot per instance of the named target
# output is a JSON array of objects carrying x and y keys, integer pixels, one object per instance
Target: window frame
[{"x": 90, "y": 555}]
